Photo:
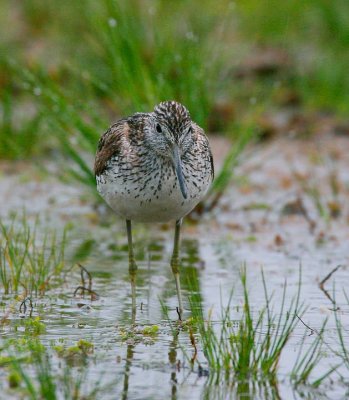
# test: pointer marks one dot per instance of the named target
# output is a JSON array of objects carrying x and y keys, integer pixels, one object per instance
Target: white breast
[{"x": 128, "y": 201}]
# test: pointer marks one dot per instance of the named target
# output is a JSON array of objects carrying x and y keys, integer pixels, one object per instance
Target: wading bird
[{"x": 154, "y": 167}]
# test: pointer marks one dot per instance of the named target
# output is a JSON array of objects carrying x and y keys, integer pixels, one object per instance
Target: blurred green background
[{"x": 70, "y": 68}]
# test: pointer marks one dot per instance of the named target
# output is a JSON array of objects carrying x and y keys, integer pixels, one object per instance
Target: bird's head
[{"x": 170, "y": 135}]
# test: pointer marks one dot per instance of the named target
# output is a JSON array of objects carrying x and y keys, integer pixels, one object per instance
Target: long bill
[{"x": 178, "y": 168}]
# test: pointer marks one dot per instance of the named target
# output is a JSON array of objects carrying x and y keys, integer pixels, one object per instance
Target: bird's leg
[
  {"x": 175, "y": 264},
  {"x": 132, "y": 267}
]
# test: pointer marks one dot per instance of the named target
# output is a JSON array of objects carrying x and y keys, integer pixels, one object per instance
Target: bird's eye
[{"x": 158, "y": 128}]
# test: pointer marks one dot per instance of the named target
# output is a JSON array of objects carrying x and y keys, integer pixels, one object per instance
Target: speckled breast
[{"x": 149, "y": 191}]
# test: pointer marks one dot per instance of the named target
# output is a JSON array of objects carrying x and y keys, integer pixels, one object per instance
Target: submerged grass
[
  {"x": 39, "y": 379},
  {"x": 307, "y": 361},
  {"x": 250, "y": 348},
  {"x": 342, "y": 333},
  {"x": 28, "y": 261}
]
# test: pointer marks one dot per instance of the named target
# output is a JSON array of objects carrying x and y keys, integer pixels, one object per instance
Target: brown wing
[{"x": 109, "y": 145}]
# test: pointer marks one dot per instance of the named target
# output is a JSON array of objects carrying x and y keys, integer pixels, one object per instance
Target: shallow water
[
  {"x": 155, "y": 367},
  {"x": 249, "y": 230}
]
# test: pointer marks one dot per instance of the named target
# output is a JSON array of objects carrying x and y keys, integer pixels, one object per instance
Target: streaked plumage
[
  {"x": 154, "y": 167},
  {"x": 135, "y": 173}
]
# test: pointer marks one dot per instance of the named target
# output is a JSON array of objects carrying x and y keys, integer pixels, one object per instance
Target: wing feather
[{"x": 110, "y": 144}]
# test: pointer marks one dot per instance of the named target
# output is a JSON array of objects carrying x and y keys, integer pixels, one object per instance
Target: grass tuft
[
  {"x": 43, "y": 380},
  {"x": 251, "y": 347},
  {"x": 27, "y": 261}
]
